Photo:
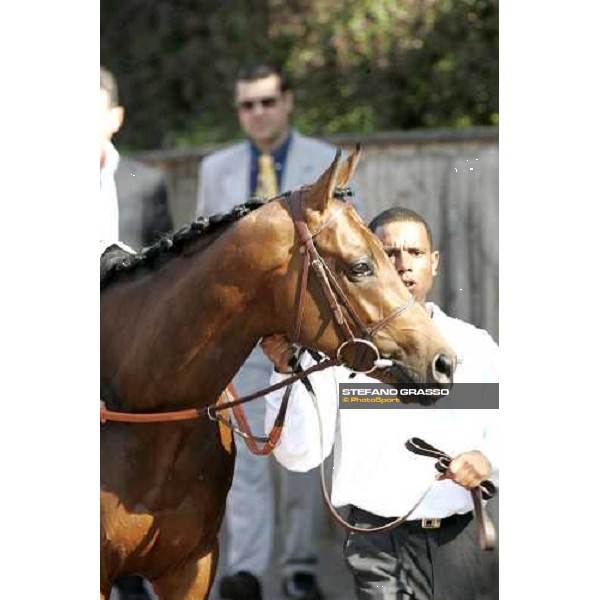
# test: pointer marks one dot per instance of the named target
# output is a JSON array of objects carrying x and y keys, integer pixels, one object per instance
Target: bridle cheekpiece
[{"x": 343, "y": 312}]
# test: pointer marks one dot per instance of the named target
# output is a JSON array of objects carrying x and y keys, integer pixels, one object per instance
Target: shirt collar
[{"x": 279, "y": 154}]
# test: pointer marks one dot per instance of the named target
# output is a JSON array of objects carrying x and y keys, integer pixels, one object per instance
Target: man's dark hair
[
  {"x": 108, "y": 83},
  {"x": 399, "y": 214},
  {"x": 254, "y": 71}
]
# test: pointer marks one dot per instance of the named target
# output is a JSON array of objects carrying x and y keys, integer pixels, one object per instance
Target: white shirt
[
  {"x": 372, "y": 468},
  {"x": 109, "y": 205}
]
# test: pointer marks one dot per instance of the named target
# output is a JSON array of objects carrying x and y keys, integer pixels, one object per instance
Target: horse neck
[{"x": 177, "y": 337}]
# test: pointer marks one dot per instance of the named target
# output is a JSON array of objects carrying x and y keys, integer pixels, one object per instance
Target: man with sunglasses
[
  {"x": 264, "y": 103},
  {"x": 273, "y": 159}
]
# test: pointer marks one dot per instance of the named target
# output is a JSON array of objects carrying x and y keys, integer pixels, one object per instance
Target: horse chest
[
  {"x": 162, "y": 498},
  {"x": 136, "y": 539}
]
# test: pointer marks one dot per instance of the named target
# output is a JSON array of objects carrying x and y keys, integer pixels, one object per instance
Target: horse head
[{"x": 339, "y": 293}]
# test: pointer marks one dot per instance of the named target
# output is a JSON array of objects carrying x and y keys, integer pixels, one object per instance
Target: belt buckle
[{"x": 431, "y": 523}]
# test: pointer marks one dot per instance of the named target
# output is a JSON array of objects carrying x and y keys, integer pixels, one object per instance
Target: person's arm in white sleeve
[
  {"x": 489, "y": 355},
  {"x": 481, "y": 460},
  {"x": 299, "y": 448},
  {"x": 490, "y": 445},
  {"x": 490, "y": 436}
]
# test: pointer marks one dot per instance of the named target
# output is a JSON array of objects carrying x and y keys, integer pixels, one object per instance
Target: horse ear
[
  {"x": 348, "y": 168},
  {"x": 322, "y": 191}
]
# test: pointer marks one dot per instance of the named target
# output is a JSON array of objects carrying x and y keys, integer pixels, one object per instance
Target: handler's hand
[
  {"x": 102, "y": 406},
  {"x": 469, "y": 469},
  {"x": 279, "y": 350}
]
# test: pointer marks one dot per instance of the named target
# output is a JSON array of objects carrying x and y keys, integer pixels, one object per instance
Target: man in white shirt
[
  {"x": 133, "y": 212},
  {"x": 133, "y": 197},
  {"x": 434, "y": 555}
]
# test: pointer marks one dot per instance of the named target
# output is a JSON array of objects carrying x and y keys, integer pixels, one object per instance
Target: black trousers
[{"x": 411, "y": 563}]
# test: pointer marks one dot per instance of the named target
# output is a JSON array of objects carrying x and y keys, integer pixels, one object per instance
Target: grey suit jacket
[
  {"x": 225, "y": 182},
  {"x": 225, "y": 175},
  {"x": 143, "y": 209}
]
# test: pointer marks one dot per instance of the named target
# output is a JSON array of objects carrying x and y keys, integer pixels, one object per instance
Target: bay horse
[{"x": 176, "y": 327}]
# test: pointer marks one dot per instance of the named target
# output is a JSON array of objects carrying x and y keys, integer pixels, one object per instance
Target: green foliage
[{"x": 357, "y": 65}]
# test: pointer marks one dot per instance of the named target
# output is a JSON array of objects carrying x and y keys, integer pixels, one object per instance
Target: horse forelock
[{"x": 171, "y": 245}]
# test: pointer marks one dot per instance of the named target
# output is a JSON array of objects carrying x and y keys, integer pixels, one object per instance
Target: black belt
[
  {"x": 449, "y": 521},
  {"x": 418, "y": 524}
]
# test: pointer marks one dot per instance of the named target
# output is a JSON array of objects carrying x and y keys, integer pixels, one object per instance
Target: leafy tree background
[{"x": 357, "y": 66}]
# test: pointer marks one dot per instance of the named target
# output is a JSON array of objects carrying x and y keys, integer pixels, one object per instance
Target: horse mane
[{"x": 170, "y": 245}]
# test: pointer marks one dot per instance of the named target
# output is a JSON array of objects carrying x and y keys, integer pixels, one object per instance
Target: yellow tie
[{"x": 266, "y": 185}]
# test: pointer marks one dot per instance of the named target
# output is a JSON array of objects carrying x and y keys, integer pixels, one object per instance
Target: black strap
[{"x": 421, "y": 447}]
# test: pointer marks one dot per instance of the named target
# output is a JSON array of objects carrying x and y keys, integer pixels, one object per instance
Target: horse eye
[{"x": 360, "y": 269}]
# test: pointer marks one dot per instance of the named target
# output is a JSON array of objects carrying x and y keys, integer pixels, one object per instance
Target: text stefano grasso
[{"x": 394, "y": 392}]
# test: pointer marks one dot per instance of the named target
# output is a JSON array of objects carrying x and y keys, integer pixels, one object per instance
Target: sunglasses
[{"x": 267, "y": 102}]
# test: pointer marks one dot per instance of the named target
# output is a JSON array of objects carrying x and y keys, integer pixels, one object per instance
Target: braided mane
[{"x": 172, "y": 244}]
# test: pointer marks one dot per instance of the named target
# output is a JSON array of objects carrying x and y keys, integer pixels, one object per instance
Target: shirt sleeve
[
  {"x": 490, "y": 354},
  {"x": 490, "y": 357},
  {"x": 479, "y": 428},
  {"x": 300, "y": 447},
  {"x": 489, "y": 443}
]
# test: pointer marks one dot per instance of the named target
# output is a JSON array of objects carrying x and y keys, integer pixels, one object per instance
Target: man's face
[
  {"x": 264, "y": 111},
  {"x": 406, "y": 243},
  {"x": 111, "y": 119}
]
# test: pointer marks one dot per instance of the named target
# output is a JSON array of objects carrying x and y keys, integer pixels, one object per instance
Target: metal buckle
[
  {"x": 342, "y": 192},
  {"x": 431, "y": 523},
  {"x": 210, "y": 414},
  {"x": 357, "y": 341}
]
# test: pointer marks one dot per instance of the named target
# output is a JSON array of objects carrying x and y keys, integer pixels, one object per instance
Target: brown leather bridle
[
  {"x": 339, "y": 305},
  {"x": 331, "y": 288}
]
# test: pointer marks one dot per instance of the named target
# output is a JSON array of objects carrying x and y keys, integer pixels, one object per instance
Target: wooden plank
[{"x": 452, "y": 180}]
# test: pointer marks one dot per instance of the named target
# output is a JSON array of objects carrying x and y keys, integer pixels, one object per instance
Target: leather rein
[
  {"x": 486, "y": 532},
  {"x": 337, "y": 301}
]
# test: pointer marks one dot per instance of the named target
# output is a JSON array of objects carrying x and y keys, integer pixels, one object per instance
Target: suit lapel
[
  {"x": 298, "y": 165},
  {"x": 236, "y": 180}
]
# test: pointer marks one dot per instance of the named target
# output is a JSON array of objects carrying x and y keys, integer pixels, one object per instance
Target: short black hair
[
  {"x": 399, "y": 214},
  {"x": 108, "y": 83},
  {"x": 260, "y": 70}
]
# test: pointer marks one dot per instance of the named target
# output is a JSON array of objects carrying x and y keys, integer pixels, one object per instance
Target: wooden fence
[{"x": 450, "y": 177}]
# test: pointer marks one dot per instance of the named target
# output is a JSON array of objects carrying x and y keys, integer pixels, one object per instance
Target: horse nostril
[{"x": 443, "y": 365}]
